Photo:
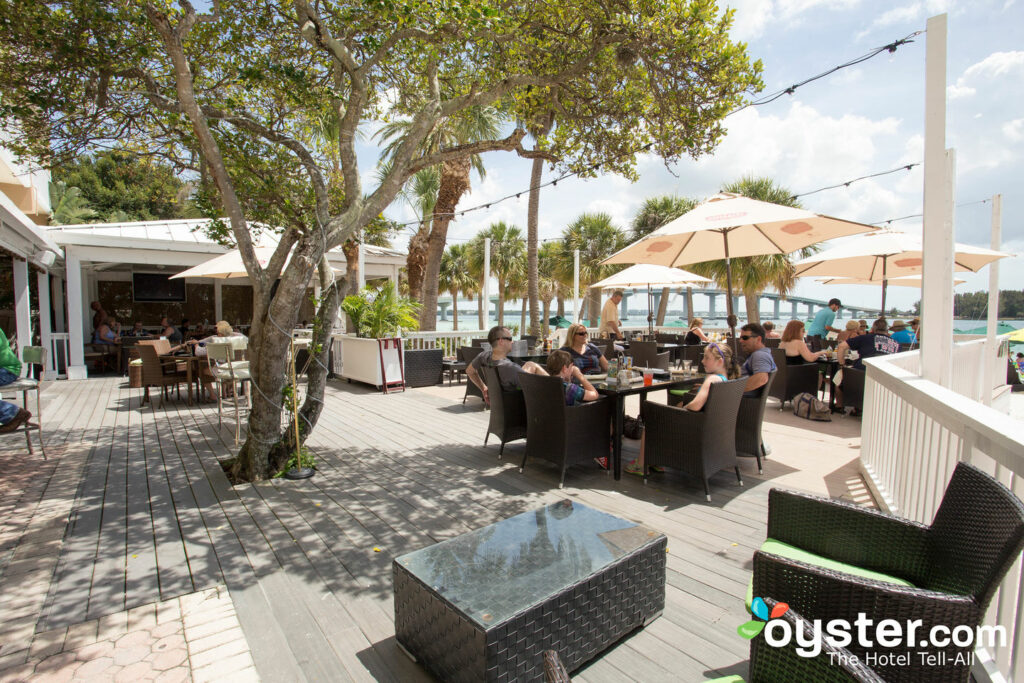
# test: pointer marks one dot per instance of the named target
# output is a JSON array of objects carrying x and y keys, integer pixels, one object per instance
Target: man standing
[
  {"x": 759, "y": 361},
  {"x": 822, "y": 325},
  {"x": 875, "y": 343},
  {"x": 11, "y": 416},
  {"x": 500, "y": 339},
  {"x": 610, "y": 317}
]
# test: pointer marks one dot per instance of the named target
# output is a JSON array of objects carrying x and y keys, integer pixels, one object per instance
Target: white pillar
[
  {"x": 43, "y": 280},
  {"x": 57, "y": 297},
  {"x": 362, "y": 268},
  {"x": 487, "y": 283},
  {"x": 218, "y": 300},
  {"x": 22, "y": 309},
  {"x": 76, "y": 336},
  {"x": 576, "y": 286},
  {"x": 989, "y": 369},
  {"x": 937, "y": 278}
]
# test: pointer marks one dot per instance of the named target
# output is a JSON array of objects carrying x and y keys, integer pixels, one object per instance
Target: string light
[
  {"x": 905, "y": 167},
  {"x": 921, "y": 215},
  {"x": 789, "y": 90}
]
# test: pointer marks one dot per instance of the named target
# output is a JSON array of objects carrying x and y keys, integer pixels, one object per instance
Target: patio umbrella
[
  {"x": 886, "y": 254},
  {"x": 229, "y": 265},
  {"x": 901, "y": 281},
  {"x": 648, "y": 275},
  {"x": 728, "y": 225},
  {"x": 1001, "y": 328},
  {"x": 1017, "y": 336}
]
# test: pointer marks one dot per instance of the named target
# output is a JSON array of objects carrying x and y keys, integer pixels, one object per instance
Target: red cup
[{"x": 648, "y": 378}]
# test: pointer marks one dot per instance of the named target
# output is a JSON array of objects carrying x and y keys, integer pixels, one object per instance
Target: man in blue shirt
[
  {"x": 759, "y": 359},
  {"x": 822, "y": 325},
  {"x": 901, "y": 334}
]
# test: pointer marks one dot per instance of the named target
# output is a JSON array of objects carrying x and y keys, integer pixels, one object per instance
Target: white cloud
[
  {"x": 753, "y": 17},
  {"x": 1005, "y": 66},
  {"x": 894, "y": 16},
  {"x": 1014, "y": 130}
]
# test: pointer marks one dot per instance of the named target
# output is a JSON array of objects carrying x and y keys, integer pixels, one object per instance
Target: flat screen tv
[{"x": 156, "y": 287}]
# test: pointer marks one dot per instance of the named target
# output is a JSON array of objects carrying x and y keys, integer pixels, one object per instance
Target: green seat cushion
[
  {"x": 791, "y": 552},
  {"x": 679, "y": 392},
  {"x": 727, "y": 679}
]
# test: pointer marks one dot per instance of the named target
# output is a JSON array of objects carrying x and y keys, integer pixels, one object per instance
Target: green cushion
[
  {"x": 679, "y": 392},
  {"x": 32, "y": 354},
  {"x": 727, "y": 679},
  {"x": 800, "y": 555}
]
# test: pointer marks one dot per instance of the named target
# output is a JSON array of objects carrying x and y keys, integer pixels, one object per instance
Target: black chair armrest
[
  {"x": 849, "y": 533},
  {"x": 658, "y": 412}
]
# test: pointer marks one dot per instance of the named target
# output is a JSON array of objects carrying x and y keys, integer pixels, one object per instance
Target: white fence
[{"x": 913, "y": 434}]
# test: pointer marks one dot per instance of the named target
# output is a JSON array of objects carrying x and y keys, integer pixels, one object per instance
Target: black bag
[
  {"x": 632, "y": 427},
  {"x": 807, "y": 406}
]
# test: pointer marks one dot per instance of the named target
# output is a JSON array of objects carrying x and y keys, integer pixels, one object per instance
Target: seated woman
[
  {"x": 696, "y": 334},
  {"x": 769, "y": 329},
  {"x": 794, "y": 345},
  {"x": 577, "y": 387},
  {"x": 105, "y": 334},
  {"x": 852, "y": 330},
  {"x": 225, "y": 335},
  {"x": 584, "y": 355}
]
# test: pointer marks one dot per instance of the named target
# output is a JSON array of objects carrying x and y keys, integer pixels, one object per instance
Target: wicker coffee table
[{"x": 565, "y": 577}]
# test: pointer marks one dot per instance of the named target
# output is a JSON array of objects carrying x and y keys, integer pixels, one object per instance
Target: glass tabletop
[{"x": 495, "y": 572}]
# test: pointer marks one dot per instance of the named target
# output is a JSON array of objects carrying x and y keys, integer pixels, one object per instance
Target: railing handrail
[{"x": 996, "y": 433}]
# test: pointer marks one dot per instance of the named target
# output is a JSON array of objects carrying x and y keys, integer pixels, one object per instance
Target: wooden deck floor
[{"x": 307, "y": 563}]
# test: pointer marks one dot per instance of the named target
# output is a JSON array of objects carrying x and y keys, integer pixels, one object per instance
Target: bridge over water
[{"x": 791, "y": 306}]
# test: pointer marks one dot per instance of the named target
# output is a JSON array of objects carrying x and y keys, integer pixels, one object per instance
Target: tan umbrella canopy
[
  {"x": 729, "y": 225},
  {"x": 648, "y": 275},
  {"x": 228, "y": 265},
  {"x": 887, "y": 254},
  {"x": 902, "y": 281}
]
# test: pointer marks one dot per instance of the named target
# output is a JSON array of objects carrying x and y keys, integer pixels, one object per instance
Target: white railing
[
  {"x": 448, "y": 341},
  {"x": 912, "y": 435}
]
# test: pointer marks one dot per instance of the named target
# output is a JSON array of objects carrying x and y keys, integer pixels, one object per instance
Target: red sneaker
[{"x": 602, "y": 462}]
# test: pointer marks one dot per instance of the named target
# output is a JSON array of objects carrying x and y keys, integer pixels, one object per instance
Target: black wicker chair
[
  {"x": 792, "y": 379},
  {"x": 853, "y": 388},
  {"x": 508, "y": 411},
  {"x": 770, "y": 664},
  {"x": 748, "y": 425},
  {"x": 772, "y": 343},
  {"x": 559, "y": 433},
  {"x": 665, "y": 338},
  {"x": 953, "y": 567},
  {"x": 478, "y": 342},
  {"x": 466, "y": 355},
  {"x": 423, "y": 367},
  {"x": 645, "y": 355},
  {"x": 697, "y": 443}
]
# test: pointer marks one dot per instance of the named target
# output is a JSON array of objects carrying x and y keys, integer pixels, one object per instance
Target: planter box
[{"x": 374, "y": 361}]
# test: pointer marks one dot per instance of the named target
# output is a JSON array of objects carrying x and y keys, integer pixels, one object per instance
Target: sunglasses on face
[
  {"x": 745, "y": 337},
  {"x": 581, "y": 334},
  {"x": 505, "y": 338}
]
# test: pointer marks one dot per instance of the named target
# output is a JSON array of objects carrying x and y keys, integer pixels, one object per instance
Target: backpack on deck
[{"x": 809, "y": 407}]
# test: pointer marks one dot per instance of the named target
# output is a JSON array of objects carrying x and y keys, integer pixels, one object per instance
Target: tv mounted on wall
[{"x": 156, "y": 287}]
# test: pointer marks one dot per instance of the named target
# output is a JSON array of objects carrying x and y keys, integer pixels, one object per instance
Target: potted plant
[{"x": 374, "y": 353}]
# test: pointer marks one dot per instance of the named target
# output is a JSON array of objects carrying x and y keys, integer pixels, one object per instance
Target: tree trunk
[
  {"x": 351, "y": 284},
  {"x": 560, "y": 307},
  {"x": 455, "y": 311},
  {"x": 593, "y": 299},
  {"x": 454, "y": 183},
  {"x": 273, "y": 319},
  {"x": 532, "y": 239},
  {"x": 501, "y": 301},
  {"x": 690, "y": 313},
  {"x": 416, "y": 261},
  {"x": 751, "y": 300},
  {"x": 546, "y": 326},
  {"x": 480, "y": 310},
  {"x": 522, "y": 321},
  {"x": 662, "y": 307},
  {"x": 316, "y": 372}
]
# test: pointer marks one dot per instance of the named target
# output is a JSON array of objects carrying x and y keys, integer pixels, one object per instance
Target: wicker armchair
[
  {"x": 508, "y": 411},
  {"x": 748, "y": 425},
  {"x": 466, "y": 356},
  {"x": 853, "y": 388},
  {"x": 159, "y": 371},
  {"x": 423, "y": 367},
  {"x": 697, "y": 443},
  {"x": 645, "y": 355},
  {"x": 559, "y": 433},
  {"x": 769, "y": 664},
  {"x": 943, "y": 574},
  {"x": 792, "y": 379}
]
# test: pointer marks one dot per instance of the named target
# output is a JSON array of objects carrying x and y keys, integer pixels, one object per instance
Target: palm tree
[
  {"x": 654, "y": 213},
  {"x": 420, "y": 192},
  {"x": 455, "y": 276},
  {"x": 478, "y": 123},
  {"x": 538, "y": 130},
  {"x": 68, "y": 206},
  {"x": 597, "y": 238},
  {"x": 508, "y": 251},
  {"x": 549, "y": 286},
  {"x": 754, "y": 274}
]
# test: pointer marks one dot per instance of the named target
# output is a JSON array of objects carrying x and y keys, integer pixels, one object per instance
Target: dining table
[{"x": 618, "y": 395}]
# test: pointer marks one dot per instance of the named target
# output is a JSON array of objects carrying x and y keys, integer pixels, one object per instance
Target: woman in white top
[
  {"x": 225, "y": 335},
  {"x": 794, "y": 345}
]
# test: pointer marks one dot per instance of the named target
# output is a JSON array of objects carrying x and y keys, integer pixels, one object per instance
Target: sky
[{"x": 861, "y": 120}]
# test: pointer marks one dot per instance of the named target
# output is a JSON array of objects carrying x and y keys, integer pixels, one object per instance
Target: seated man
[
  {"x": 137, "y": 331},
  {"x": 875, "y": 343},
  {"x": 11, "y": 416},
  {"x": 500, "y": 339},
  {"x": 577, "y": 387},
  {"x": 901, "y": 334},
  {"x": 759, "y": 359}
]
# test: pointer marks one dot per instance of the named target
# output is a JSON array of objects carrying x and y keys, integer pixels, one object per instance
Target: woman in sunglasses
[{"x": 585, "y": 355}]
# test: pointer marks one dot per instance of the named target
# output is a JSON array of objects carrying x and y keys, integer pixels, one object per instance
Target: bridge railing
[{"x": 914, "y": 432}]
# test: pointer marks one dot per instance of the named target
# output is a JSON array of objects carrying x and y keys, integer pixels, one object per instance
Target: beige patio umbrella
[
  {"x": 648, "y": 275},
  {"x": 730, "y": 225},
  {"x": 902, "y": 281},
  {"x": 885, "y": 255},
  {"x": 228, "y": 265}
]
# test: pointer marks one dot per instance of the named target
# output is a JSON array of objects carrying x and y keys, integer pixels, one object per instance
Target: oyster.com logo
[{"x": 760, "y": 610}]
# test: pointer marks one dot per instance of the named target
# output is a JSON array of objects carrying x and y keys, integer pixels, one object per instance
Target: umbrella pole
[
  {"x": 650, "y": 311},
  {"x": 885, "y": 283},
  {"x": 731, "y": 319}
]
